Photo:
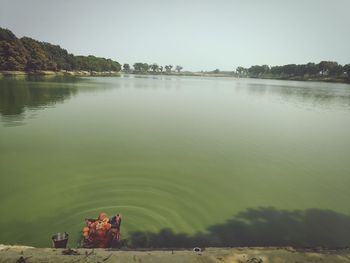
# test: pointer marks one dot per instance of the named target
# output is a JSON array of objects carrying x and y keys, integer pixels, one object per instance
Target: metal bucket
[{"x": 60, "y": 240}]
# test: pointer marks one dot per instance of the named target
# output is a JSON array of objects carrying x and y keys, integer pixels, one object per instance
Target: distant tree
[
  {"x": 154, "y": 67},
  {"x": 115, "y": 66},
  {"x": 37, "y": 59},
  {"x": 276, "y": 70},
  {"x": 161, "y": 68},
  {"x": 13, "y": 55},
  {"x": 126, "y": 67},
  {"x": 145, "y": 67},
  {"x": 326, "y": 66},
  {"x": 300, "y": 70},
  {"x": 178, "y": 68},
  {"x": 265, "y": 68},
  {"x": 57, "y": 57},
  {"x": 137, "y": 66},
  {"x": 168, "y": 68},
  {"x": 290, "y": 69},
  {"x": 141, "y": 67},
  {"x": 311, "y": 69},
  {"x": 346, "y": 69},
  {"x": 256, "y": 71},
  {"x": 336, "y": 70},
  {"x": 7, "y": 35},
  {"x": 241, "y": 71}
]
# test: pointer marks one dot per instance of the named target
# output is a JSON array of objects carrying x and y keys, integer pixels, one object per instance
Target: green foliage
[
  {"x": 92, "y": 63},
  {"x": 154, "y": 67},
  {"x": 31, "y": 55},
  {"x": 241, "y": 71},
  {"x": 293, "y": 71},
  {"x": 168, "y": 68},
  {"x": 311, "y": 69},
  {"x": 126, "y": 67},
  {"x": 13, "y": 55},
  {"x": 346, "y": 69},
  {"x": 37, "y": 57},
  {"x": 58, "y": 57},
  {"x": 178, "y": 68},
  {"x": 141, "y": 67},
  {"x": 326, "y": 66},
  {"x": 6, "y": 35},
  {"x": 256, "y": 71}
]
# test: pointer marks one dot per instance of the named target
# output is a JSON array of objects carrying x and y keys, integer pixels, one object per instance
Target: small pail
[{"x": 60, "y": 240}]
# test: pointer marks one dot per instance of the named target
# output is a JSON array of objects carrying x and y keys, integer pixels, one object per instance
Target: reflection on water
[
  {"x": 319, "y": 93},
  {"x": 310, "y": 92},
  {"x": 19, "y": 96}
]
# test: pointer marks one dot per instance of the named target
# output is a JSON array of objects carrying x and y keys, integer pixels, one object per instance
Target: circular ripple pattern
[{"x": 148, "y": 201}]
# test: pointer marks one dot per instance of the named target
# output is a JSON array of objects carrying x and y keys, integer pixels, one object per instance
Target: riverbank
[
  {"x": 232, "y": 75},
  {"x": 48, "y": 74},
  {"x": 309, "y": 78},
  {"x": 25, "y": 254}
]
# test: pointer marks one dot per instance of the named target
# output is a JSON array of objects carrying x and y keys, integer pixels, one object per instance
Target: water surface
[{"x": 183, "y": 153}]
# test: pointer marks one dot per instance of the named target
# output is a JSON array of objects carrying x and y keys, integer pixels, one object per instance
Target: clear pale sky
[{"x": 199, "y": 35}]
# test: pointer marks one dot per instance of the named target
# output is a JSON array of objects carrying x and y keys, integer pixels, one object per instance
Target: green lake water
[{"x": 183, "y": 153}]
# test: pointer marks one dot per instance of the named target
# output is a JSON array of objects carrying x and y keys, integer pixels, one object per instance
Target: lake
[{"x": 180, "y": 153}]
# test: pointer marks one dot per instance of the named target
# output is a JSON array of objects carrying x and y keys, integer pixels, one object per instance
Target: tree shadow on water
[{"x": 259, "y": 227}]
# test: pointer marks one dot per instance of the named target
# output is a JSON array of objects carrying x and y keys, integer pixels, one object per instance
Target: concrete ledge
[{"x": 210, "y": 255}]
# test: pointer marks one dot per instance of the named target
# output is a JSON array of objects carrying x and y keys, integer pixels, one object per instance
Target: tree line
[
  {"x": 140, "y": 67},
  {"x": 27, "y": 54},
  {"x": 323, "y": 69}
]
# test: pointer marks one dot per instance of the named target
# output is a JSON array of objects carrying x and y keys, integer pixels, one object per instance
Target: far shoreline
[{"x": 81, "y": 73}]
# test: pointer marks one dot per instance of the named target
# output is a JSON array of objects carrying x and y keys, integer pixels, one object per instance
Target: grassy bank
[
  {"x": 232, "y": 75},
  {"x": 209, "y": 255}
]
